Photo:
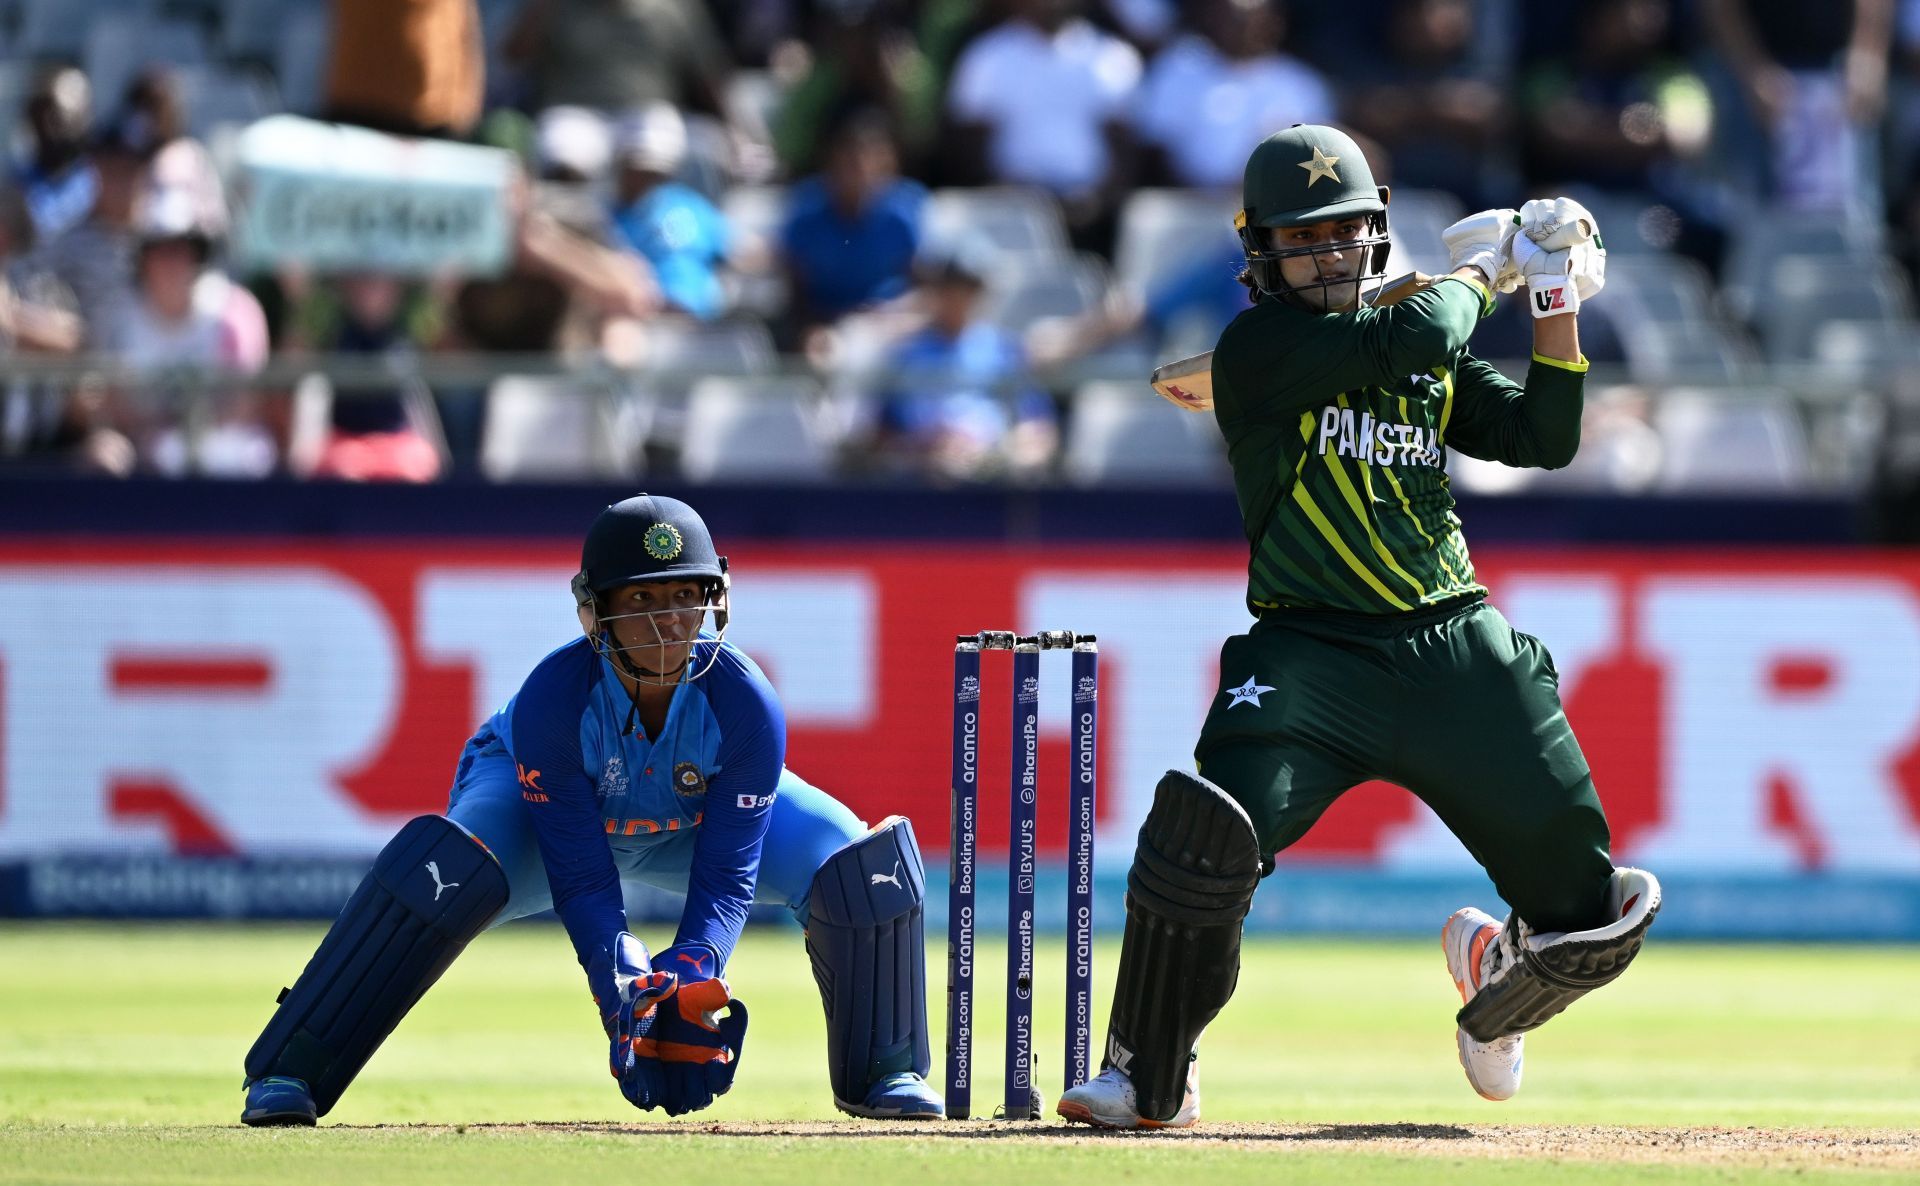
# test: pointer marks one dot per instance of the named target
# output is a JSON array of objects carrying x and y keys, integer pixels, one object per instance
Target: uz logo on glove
[{"x": 1550, "y": 300}]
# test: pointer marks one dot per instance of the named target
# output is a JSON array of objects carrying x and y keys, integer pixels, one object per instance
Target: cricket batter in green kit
[{"x": 1375, "y": 653}]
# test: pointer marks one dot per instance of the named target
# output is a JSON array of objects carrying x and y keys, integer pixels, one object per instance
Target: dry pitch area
[
  {"x": 120, "y": 1062},
  {"x": 1875, "y": 1149}
]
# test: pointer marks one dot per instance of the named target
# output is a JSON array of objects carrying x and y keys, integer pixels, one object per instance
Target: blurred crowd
[{"x": 924, "y": 228}]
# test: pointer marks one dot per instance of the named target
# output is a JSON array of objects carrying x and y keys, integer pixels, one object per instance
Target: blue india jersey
[{"x": 590, "y": 785}]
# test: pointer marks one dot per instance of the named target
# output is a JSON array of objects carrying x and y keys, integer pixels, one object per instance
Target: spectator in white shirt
[
  {"x": 1042, "y": 99},
  {"x": 1214, "y": 93},
  {"x": 188, "y": 323}
]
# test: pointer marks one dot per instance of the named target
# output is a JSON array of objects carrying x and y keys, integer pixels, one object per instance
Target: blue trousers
[{"x": 807, "y": 827}]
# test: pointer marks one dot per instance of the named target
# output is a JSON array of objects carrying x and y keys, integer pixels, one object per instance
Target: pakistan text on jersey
[{"x": 1381, "y": 442}]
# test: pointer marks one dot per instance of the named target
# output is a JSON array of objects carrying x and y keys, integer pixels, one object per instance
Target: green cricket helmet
[{"x": 1303, "y": 175}]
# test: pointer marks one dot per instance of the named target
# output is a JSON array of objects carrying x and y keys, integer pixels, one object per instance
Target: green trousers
[{"x": 1451, "y": 703}]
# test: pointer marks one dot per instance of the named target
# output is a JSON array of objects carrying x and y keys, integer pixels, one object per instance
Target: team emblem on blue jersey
[
  {"x": 688, "y": 781},
  {"x": 664, "y": 542}
]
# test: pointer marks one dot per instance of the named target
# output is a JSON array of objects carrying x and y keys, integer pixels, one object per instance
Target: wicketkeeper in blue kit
[{"x": 650, "y": 750}]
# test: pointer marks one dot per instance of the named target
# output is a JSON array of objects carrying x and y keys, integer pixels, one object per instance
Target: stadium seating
[
  {"x": 118, "y": 50},
  {"x": 1866, "y": 351},
  {"x": 1668, "y": 288},
  {"x": 1765, "y": 239},
  {"x": 250, "y": 29},
  {"x": 1023, "y": 226},
  {"x": 217, "y": 97},
  {"x": 300, "y": 59},
  {"x": 1731, "y": 441},
  {"x": 57, "y": 29},
  {"x": 1417, "y": 217},
  {"x": 312, "y": 415},
  {"x": 756, "y": 430},
  {"x": 755, "y": 213},
  {"x": 16, "y": 80},
  {"x": 1071, "y": 288},
  {"x": 1122, "y": 434},
  {"x": 756, "y": 210},
  {"x": 1805, "y": 292},
  {"x": 1163, "y": 230},
  {"x": 551, "y": 427},
  {"x": 1685, "y": 351}
]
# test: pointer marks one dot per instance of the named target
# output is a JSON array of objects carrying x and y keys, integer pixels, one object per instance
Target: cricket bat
[{"x": 1188, "y": 382}]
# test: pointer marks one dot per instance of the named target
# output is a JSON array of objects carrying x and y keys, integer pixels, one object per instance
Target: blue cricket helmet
[{"x": 648, "y": 537}]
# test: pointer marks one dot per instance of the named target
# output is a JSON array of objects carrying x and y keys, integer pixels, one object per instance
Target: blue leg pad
[
  {"x": 867, "y": 943},
  {"x": 431, "y": 890}
]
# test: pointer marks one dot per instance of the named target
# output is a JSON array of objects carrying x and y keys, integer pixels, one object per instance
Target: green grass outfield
[{"x": 120, "y": 1053}]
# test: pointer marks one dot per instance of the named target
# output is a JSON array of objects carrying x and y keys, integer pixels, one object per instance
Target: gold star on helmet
[{"x": 1320, "y": 166}]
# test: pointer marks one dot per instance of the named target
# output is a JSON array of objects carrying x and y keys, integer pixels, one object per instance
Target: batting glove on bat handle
[
  {"x": 1480, "y": 241},
  {"x": 1551, "y": 291},
  {"x": 1557, "y": 223}
]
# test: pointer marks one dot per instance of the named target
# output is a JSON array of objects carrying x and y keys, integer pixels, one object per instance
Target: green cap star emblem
[
  {"x": 1320, "y": 166},
  {"x": 664, "y": 542}
]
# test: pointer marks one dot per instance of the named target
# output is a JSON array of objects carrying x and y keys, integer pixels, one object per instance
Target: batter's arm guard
[
  {"x": 1192, "y": 881},
  {"x": 867, "y": 943},
  {"x": 431, "y": 890},
  {"x": 1538, "y": 975}
]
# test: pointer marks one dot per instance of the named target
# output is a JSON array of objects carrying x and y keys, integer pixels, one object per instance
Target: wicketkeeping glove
[
  {"x": 689, "y": 962},
  {"x": 1480, "y": 241},
  {"x": 683, "y": 1051},
  {"x": 612, "y": 974}
]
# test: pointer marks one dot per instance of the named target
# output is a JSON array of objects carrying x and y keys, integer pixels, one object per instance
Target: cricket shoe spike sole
[
  {"x": 1471, "y": 940},
  {"x": 900, "y": 1096},
  {"x": 1107, "y": 1101}
]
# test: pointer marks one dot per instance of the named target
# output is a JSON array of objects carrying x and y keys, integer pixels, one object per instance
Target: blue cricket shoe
[
  {"x": 276, "y": 1099},
  {"x": 902, "y": 1095}
]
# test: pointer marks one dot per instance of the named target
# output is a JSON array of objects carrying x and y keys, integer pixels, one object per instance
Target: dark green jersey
[{"x": 1337, "y": 427}]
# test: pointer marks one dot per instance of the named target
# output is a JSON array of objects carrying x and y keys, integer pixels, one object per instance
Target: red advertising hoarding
[{"x": 1745, "y": 712}]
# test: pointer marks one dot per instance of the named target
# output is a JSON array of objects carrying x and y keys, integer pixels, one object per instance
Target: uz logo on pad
[{"x": 439, "y": 887}]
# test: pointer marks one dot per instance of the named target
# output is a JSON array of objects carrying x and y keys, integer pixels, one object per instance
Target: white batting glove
[
  {"x": 1551, "y": 288},
  {"x": 1480, "y": 241},
  {"x": 1557, "y": 223},
  {"x": 1562, "y": 224},
  {"x": 1588, "y": 267}
]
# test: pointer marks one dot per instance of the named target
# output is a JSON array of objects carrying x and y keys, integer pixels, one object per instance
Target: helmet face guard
[
  {"x": 644, "y": 540},
  {"x": 1264, "y": 263},
  {"x": 665, "y": 631},
  {"x": 1302, "y": 176}
]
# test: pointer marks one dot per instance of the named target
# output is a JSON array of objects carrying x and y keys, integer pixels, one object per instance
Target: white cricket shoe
[
  {"x": 1107, "y": 1101},
  {"x": 1471, "y": 940}
]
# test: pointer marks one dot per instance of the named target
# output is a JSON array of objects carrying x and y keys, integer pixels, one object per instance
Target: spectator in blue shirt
[
  {"x": 679, "y": 232},
  {"x": 852, "y": 231},
  {"x": 958, "y": 404},
  {"x": 58, "y": 178}
]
